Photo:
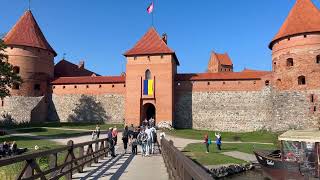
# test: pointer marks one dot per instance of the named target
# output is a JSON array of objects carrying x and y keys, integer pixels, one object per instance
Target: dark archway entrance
[{"x": 149, "y": 111}]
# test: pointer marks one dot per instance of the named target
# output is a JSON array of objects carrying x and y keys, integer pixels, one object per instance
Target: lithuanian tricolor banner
[{"x": 148, "y": 87}]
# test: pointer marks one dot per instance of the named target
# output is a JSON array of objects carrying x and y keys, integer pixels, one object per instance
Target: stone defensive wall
[
  {"x": 88, "y": 99},
  {"x": 248, "y": 103}
]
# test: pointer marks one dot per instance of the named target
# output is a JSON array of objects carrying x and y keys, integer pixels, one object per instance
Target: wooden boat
[{"x": 298, "y": 157}]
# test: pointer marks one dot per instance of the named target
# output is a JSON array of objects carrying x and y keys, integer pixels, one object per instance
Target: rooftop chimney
[
  {"x": 81, "y": 64},
  {"x": 165, "y": 38}
]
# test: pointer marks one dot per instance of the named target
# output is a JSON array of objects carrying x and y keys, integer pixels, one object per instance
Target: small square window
[
  {"x": 36, "y": 87},
  {"x": 135, "y": 58},
  {"x": 87, "y": 86},
  {"x": 75, "y": 87},
  {"x": 314, "y": 108},
  {"x": 63, "y": 87},
  {"x": 312, "y": 98},
  {"x": 208, "y": 83},
  {"x": 112, "y": 85},
  {"x": 223, "y": 82},
  {"x": 124, "y": 85},
  {"x": 53, "y": 87},
  {"x": 100, "y": 86}
]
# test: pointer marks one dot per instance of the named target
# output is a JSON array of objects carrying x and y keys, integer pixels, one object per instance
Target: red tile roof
[
  {"x": 65, "y": 68},
  {"x": 150, "y": 43},
  {"x": 303, "y": 18},
  {"x": 223, "y": 59},
  {"x": 26, "y": 32},
  {"x": 222, "y": 76},
  {"x": 89, "y": 80}
]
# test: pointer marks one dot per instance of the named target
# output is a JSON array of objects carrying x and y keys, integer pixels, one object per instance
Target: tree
[{"x": 8, "y": 77}]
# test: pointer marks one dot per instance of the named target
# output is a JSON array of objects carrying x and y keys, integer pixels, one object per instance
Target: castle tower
[
  {"x": 220, "y": 63},
  {"x": 31, "y": 55},
  {"x": 296, "y": 49},
  {"x": 150, "y": 71}
]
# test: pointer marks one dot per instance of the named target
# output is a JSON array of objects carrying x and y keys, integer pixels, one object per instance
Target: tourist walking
[
  {"x": 149, "y": 140},
  {"x": 115, "y": 135},
  {"x": 142, "y": 138},
  {"x": 151, "y": 122},
  {"x": 125, "y": 138},
  {"x": 218, "y": 141},
  {"x": 97, "y": 131},
  {"x": 154, "y": 138},
  {"x": 134, "y": 141},
  {"x": 207, "y": 142},
  {"x": 111, "y": 143}
]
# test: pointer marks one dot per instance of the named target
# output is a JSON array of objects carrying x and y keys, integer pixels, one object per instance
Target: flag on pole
[{"x": 150, "y": 8}]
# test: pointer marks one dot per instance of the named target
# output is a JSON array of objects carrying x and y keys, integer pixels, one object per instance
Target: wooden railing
[
  {"x": 75, "y": 158},
  {"x": 179, "y": 166}
]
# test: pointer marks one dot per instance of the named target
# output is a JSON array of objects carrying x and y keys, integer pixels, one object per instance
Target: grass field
[
  {"x": 258, "y": 136},
  {"x": 52, "y": 133},
  {"x": 70, "y": 125},
  {"x": 197, "y": 152}
]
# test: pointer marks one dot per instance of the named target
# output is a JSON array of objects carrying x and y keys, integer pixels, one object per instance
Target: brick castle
[{"x": 220, "y": 99}]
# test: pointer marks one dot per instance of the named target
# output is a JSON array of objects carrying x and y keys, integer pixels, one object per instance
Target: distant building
[{"x": 219, "y": 99}]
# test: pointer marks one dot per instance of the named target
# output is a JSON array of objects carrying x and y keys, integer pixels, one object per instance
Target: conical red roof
[
  {"x": 150, "y": 43},
  {"x": 303, "y": 18},
  {"x": 26, "y": 32}
]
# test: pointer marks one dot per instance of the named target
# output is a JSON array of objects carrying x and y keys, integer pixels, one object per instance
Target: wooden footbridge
[{"x": 81, "y": 161}]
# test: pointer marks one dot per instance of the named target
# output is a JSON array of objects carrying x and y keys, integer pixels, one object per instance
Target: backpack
[
  {"x": 154, "y": 136},
  {"x": 209, "y": 141}
]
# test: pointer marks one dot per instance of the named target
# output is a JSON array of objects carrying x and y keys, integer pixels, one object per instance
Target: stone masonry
[
  {"x": 107, "y": 108},
  {"x": 246, "y": 110}
]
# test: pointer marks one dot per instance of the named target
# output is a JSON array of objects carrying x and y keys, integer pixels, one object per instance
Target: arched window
[
  {"x": 148, "y": 74},
  {"x": 16, "y": 69},
  {"x": 289, "y": 62},
  {"x": 301, "y": 80},
  {"x": 318, "y": 59}
]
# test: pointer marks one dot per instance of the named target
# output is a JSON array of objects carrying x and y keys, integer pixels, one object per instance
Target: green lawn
[
  {"x": 52, "y": 133},
  {"x": 258, "y": 136},
  {"x": 89, "y": 126},
  {"x": 27, "y": 142},
  {"x": 197, "y": 152}
]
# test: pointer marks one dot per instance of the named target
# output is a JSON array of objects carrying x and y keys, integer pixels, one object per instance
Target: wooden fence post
[
  {"x": 96, "y": 148},
  {"x": 81, "y": 153},
  {"x": 53, "y": 162},
  {"x": 68, "y": 176}
]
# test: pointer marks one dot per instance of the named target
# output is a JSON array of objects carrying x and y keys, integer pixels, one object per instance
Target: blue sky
[{"x": 100, "y": 31}]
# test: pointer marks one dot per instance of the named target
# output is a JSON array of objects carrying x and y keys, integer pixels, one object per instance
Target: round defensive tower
[
  {"x": 296, "y": 49},
  {"x": 31, "y": 55}
]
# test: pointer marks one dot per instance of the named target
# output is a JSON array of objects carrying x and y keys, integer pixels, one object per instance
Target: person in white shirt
[
  {"x": 154, "y": 138},
  {"x": 149, "y": 140}
]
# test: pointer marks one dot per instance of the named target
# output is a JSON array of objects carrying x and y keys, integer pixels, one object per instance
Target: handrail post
[
  {"x": 81, "y": 153},
  {"x": 68, "y": 176},
  {"x": 53, "y": 162},
  {"x": 96, "y": 149}
]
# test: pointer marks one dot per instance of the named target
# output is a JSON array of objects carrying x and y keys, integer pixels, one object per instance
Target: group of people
[
  {"x": 144, "y": 136},
  {"x": 207, "y": 141},
  {"x": 9, "y": 149}
]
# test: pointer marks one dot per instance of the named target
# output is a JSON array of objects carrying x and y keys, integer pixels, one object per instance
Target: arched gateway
[{"x": 148, "y": 112}]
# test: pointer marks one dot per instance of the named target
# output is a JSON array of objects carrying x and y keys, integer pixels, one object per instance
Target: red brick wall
[
  {"x": 163, "y": 69},
  {"x": 213, "y": 86},
  {"x": 36, "y": 67},
  {"x": 303, "y": 50},
  {"x": 92, "y": 89}
]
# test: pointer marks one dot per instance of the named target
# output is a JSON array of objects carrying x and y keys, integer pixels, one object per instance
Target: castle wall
[
  {"x": 35, "y": 67},
  {"x": 108, "y": 108},
  {"x": 244, "y": 108},
  {"x": 24, "y": 109},
  {"x": 88, "y": 103}
]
